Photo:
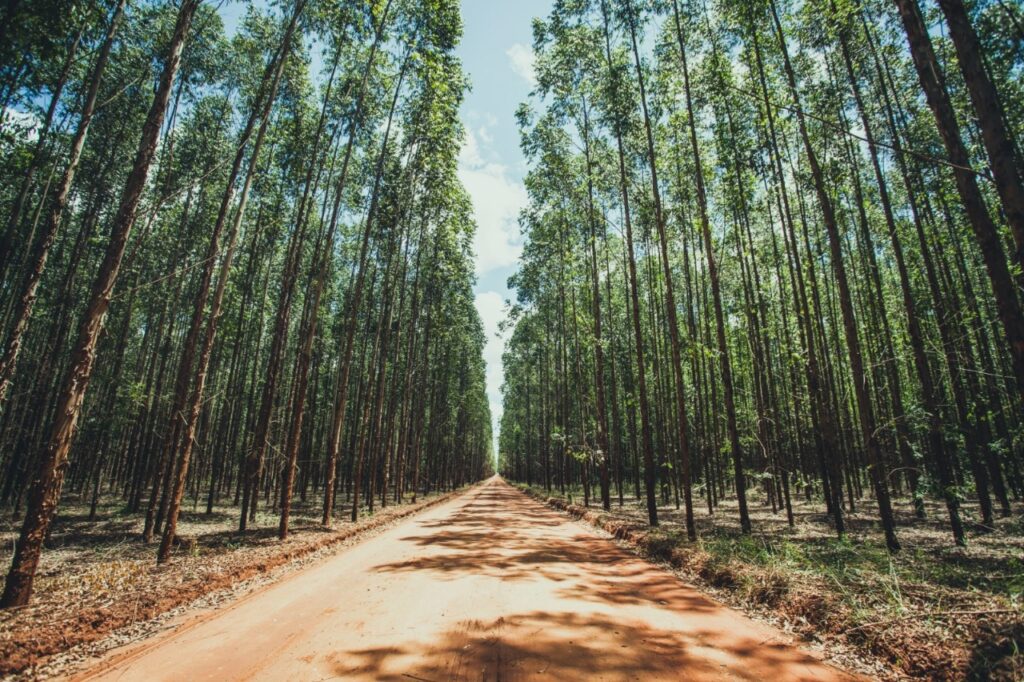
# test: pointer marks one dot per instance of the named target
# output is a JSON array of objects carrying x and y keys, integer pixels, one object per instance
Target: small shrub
[
  {"x": 718, "y": 573},
  {"x": 766, "y": 587}
]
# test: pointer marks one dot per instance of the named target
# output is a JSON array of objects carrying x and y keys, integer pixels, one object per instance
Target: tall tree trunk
[
  {"x": 41, "y": 250},
  {"x": 865, "y": 411},
  {"x": 823, "y": 421},
  {"x": 355, "y": 298},
  {"x": 341, "y": 395},
  {"x": 191, "y": 416},
  {"x": 672, "y": 314},
  {"x": 650, "y": 478},
  {"x": 985, "y": 231},
  {"x": 935, "y": 441},
  {"x": 599, "y": 369},
  {"x": 716, "y": 292},
  {"x": 45, "y": 492},
  {"x": 43, "y": 138},
  {"x": 994, "y": 133}
]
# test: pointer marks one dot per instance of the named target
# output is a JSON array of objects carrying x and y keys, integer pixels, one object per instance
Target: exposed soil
[
  {"x": 97, "y": 580},
  {"x": 491, "y": 585}
]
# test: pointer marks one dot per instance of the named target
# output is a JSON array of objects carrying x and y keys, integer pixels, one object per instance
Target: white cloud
[
  {"x": 497, "y": 200},
  {"x": 469, "y": 155},
  {"x": 491, "y": 307},
  {"x": 521, "y": 59}
]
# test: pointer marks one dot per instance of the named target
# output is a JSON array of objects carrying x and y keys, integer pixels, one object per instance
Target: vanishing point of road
[{"x": 488, "y": 586}]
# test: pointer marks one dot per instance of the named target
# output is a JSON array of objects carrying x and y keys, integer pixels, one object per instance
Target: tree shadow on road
[
  {"x": 609, "y": 636},
  {"x": 570, "y": 646}
]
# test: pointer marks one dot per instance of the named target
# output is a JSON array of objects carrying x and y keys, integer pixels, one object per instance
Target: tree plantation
[
  {"x": 771, "y": 287},
  {"x": 771, "y": 249},
  {"x": 765, "y": 326},
  {"x": 227, "y": 274}
]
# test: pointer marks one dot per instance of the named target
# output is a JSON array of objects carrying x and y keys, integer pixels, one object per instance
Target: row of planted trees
[
  {"x": 770, "y": 248},
  {"x": 236, "y": 269}
]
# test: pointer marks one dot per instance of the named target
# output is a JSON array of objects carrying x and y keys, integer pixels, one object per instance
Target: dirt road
[{"x": 488, "y": 586}]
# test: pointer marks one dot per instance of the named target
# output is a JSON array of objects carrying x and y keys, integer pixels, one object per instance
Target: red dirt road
[{"x": 488, "y": 586}]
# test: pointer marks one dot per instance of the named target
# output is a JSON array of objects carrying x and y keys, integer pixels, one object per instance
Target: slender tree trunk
[
  {"x": 341, "y": 389},
  {"x": 45, "y": 492},
  {"x": 671, "y": 313},
  {"x": 823, "y": 423},
  {"x": 935, "y": 441},
  {"x": 355, "y": 300},
  {"x": 716, "y": 293},
  {"x": 191, "y": 416},
  {"x": 650, "y": 477},
  {"x": 865, "y": 411},
  {"x": 41, "y": 251},
  {"x": 38, "y": 156},
  {"x": 985, "y": 231},
  {"x": 599, "y": 370},
  {"x": 994, "y": 133}
]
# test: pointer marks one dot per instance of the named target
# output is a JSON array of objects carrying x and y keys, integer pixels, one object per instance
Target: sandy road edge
[{"x": 190, "y": 612}]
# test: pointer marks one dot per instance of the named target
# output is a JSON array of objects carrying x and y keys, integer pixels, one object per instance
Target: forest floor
[
  {"x": 933, "y": 611},
  {"x": 98, "y": 585},
  {"x": 488, "y": 586}
]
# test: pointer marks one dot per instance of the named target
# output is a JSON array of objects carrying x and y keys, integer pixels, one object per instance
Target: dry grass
[{"x": 934, "y": 611}]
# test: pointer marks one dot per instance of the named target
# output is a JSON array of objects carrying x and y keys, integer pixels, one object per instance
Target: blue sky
[{"x": 496, "y": 53}]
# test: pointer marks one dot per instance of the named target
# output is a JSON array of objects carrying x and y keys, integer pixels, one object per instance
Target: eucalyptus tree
[
  {"x": 45, "y": 492},
  {"x": 275, "y": 190},
  {"x": 180, "y": 455},
  {"x": 565, "y": 73},
  {"x": 790, "y": 192},
  {"x": 713, "y": 277}
]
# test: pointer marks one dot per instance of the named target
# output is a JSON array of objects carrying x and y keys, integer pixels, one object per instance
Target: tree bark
[
  {"x": 45, "y": 492},
  {"x": 985, "y": 231}
]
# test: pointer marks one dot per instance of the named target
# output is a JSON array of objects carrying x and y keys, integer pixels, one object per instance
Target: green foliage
[
  {"x": 338, "y": 179},
  {"x": 762, "y": 115}
]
